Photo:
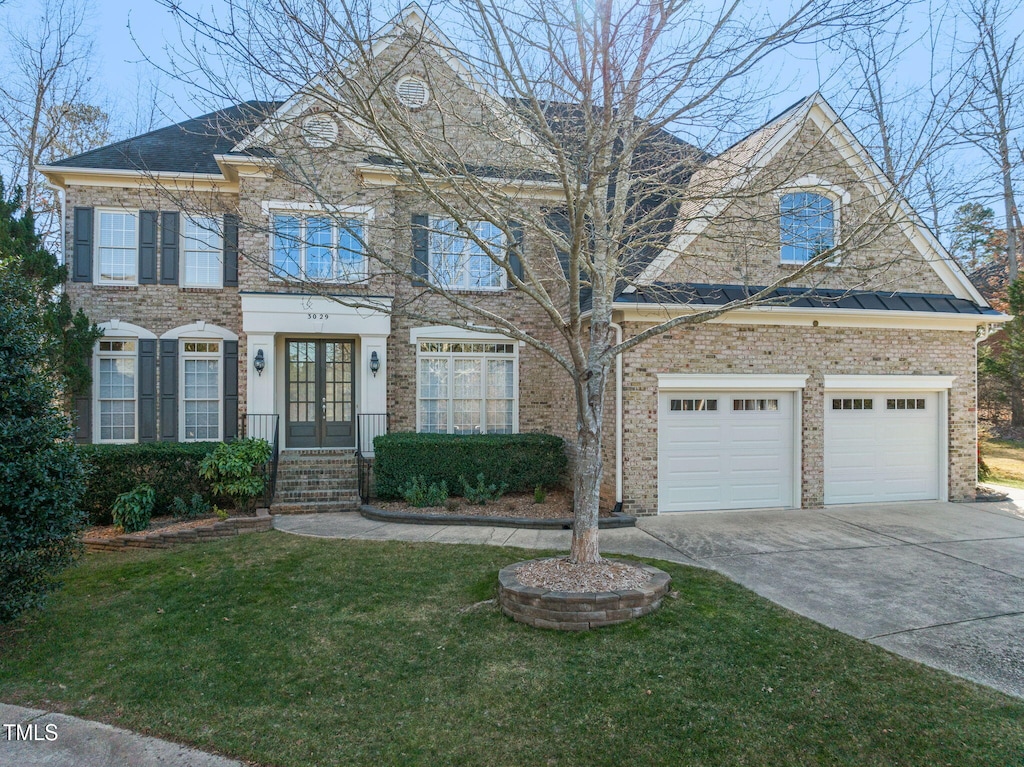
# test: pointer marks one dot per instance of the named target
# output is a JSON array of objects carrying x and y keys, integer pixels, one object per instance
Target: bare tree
[
  {"x": 47, "y": 98},
  {"x": 565, "y": 172},
  {"x": 993, "y": 116},
  {"x": 908, "y": 116}
]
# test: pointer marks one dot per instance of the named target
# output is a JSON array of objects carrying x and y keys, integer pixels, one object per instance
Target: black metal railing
[
  {"x": 265, "y": 426},
  {"x": 368, "y": 426}
]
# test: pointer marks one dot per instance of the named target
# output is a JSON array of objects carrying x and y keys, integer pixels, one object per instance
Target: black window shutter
[
  {"x": 230, "y": 250},
  {"x": 169, "y": 248},
  {"x": 147, "y": 390},
  {"x": 83, "y": 409},
  {"x": 169, "y": 390},
  {"x": 81, "y": 253},
  {"x": 230, "y": 389},
  {"x": 515, "y": 248},
  {"x": 147, "y": 247},
  {"x": 420, "y": 249}
]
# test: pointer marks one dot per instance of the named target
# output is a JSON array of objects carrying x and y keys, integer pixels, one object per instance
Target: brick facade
[{"x": 740, "y": 246}]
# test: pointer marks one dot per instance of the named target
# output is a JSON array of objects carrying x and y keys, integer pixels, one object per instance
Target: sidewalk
[{"x": 56, "y": 740}]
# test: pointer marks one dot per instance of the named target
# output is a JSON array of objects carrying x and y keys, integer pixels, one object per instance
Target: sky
[{"x": 126, "y": 33}]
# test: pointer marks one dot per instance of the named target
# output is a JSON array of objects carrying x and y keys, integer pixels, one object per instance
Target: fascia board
[
  {"x": 62, "y": 176},
  {"x": 788, "y": 315}
]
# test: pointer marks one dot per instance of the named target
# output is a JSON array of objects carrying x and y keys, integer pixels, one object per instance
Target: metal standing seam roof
[{"x": 816, "y": 298}]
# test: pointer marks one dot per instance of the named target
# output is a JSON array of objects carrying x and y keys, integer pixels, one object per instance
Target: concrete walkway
[{"x": 940, "y": 583}]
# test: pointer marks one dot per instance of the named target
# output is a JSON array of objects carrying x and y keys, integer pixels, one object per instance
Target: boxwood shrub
[
  {"x": 520, "y": 461},
  {"x": 170, "y": 468}
]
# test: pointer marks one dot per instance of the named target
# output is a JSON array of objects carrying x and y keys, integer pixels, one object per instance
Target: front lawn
[
  {"x": 294, "y": 651},
  {"x": 1005, "y": 460}
]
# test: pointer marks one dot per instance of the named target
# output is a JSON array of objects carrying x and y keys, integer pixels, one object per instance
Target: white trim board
[
  {"x": 890, "y": 382},
  {"x": 732, "y": 381}
]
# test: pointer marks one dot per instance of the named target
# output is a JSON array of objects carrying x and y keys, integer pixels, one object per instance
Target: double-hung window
[
  {"x": 203, "y": 248},
  {"x": 118, "y": 246},
  {"x": 200, "y": 390},
  {"x": 467, "y": 387},
  {"x": 460, "y": 260},
  {"x": 318, "y": 248},
  {"x": 116, "y": 389},
  {"x": 806, "y": 226}
]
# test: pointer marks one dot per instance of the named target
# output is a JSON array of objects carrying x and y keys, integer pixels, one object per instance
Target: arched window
[{"x": 806, "y": 226}]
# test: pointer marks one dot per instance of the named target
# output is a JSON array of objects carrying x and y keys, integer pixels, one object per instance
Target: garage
[
  {"x": 722, "y": 449},
  {"x": 883, "y": 445}
]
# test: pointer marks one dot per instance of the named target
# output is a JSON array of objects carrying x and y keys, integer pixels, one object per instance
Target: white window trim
[
  {"x": 431, "y": 274},
  {"x": 305, "y": 210},
  {"x": 97, "y": 260},
  {"x": 816, "y": 185},
  {"x": 200, "y": 331},
  {"x": 484, "y": 356},
  {"x": 182, "y": 356},
  {"x": 219, "y": 283},
  {"x": 96, "y": 355}
]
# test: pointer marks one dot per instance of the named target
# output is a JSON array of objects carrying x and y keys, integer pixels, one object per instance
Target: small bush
[
  {"x": 133, "y": 510},
  {"x": 539, "y": 494},
  {"x": 234, "y": 469},
  {"x": 170, "y": 468},
  {"x": 481, "y": 493},
  {"x": 419, "y": 493},
  {"x": 196, "y": 507},
  {"x": 520, "y": 462}
]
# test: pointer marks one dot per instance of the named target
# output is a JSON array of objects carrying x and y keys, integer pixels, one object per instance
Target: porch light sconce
[
  {"x": 260, "y": 362},
  {"x": 374, "y": 363}
]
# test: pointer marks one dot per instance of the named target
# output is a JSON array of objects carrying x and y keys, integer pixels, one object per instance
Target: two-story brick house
[{"x": 195, "y": 254}]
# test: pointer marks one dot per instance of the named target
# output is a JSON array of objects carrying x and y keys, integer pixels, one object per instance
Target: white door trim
[
  {"x": 732, "y": 381},
  {"x": 890, "y": 383}
]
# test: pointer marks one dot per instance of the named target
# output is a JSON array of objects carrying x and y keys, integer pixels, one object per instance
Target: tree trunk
[
  {"x": 587, "y": 475},
  {"x": 1016, "y": 407}
]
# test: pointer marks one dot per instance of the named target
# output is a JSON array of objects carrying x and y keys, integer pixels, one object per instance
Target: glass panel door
[{"x": 320, "y": 385}]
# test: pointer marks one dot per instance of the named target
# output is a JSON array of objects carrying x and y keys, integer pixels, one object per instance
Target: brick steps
[{"x": 310, "y": 481}]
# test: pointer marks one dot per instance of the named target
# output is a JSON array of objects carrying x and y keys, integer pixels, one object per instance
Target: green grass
[
  {"x": 1005, "y": 460},
  {"x": 293, "y": 651}
]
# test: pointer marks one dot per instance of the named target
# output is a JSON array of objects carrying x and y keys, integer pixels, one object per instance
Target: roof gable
[{"x": 740, "y": 164}]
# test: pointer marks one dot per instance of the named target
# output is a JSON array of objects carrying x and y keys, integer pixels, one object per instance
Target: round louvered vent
[
  {"x": 412, "y": 91},
  {"x": 320, "y": 130}
]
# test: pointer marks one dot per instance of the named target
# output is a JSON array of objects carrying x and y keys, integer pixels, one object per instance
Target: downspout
[{"x": 618, "y": 419}]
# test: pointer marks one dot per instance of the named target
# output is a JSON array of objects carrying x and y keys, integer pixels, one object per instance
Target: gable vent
[
  {"x": 319, "y": 131},
  {"x": 412, "y": 92}
]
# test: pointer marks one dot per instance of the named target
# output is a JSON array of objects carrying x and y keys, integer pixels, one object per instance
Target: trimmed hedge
[
  {"x": 520, "y": 461},
  {"x": 170, "y": 468}
]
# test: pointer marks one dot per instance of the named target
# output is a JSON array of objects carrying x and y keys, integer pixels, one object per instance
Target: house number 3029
[{"x": 315, "y": 316}]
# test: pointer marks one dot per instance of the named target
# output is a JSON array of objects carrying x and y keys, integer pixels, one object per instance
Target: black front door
[{"x": 320, "y": 411}]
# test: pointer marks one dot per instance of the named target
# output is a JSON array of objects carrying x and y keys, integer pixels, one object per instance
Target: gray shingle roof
[
  {"x": 186, "y": 147},
  {"x": 816, "y": 298}
]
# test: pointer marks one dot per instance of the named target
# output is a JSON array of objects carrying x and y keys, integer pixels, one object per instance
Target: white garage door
[
  {"x": 725, "y": 450},
  {"x": 881, "y": 446}
]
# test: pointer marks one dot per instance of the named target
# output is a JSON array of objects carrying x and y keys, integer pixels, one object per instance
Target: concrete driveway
[{"x": 940, "y": 583}]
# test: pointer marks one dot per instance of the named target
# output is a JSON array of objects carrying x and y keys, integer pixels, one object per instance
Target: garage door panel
[
  {"x": 725, "y": 458},
  {"x": 882, "y": 453}
]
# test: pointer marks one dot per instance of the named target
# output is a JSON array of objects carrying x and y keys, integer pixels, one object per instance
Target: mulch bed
[
  {"x": 157, "y": 524},
  {"x": 557, "y": 505}
]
